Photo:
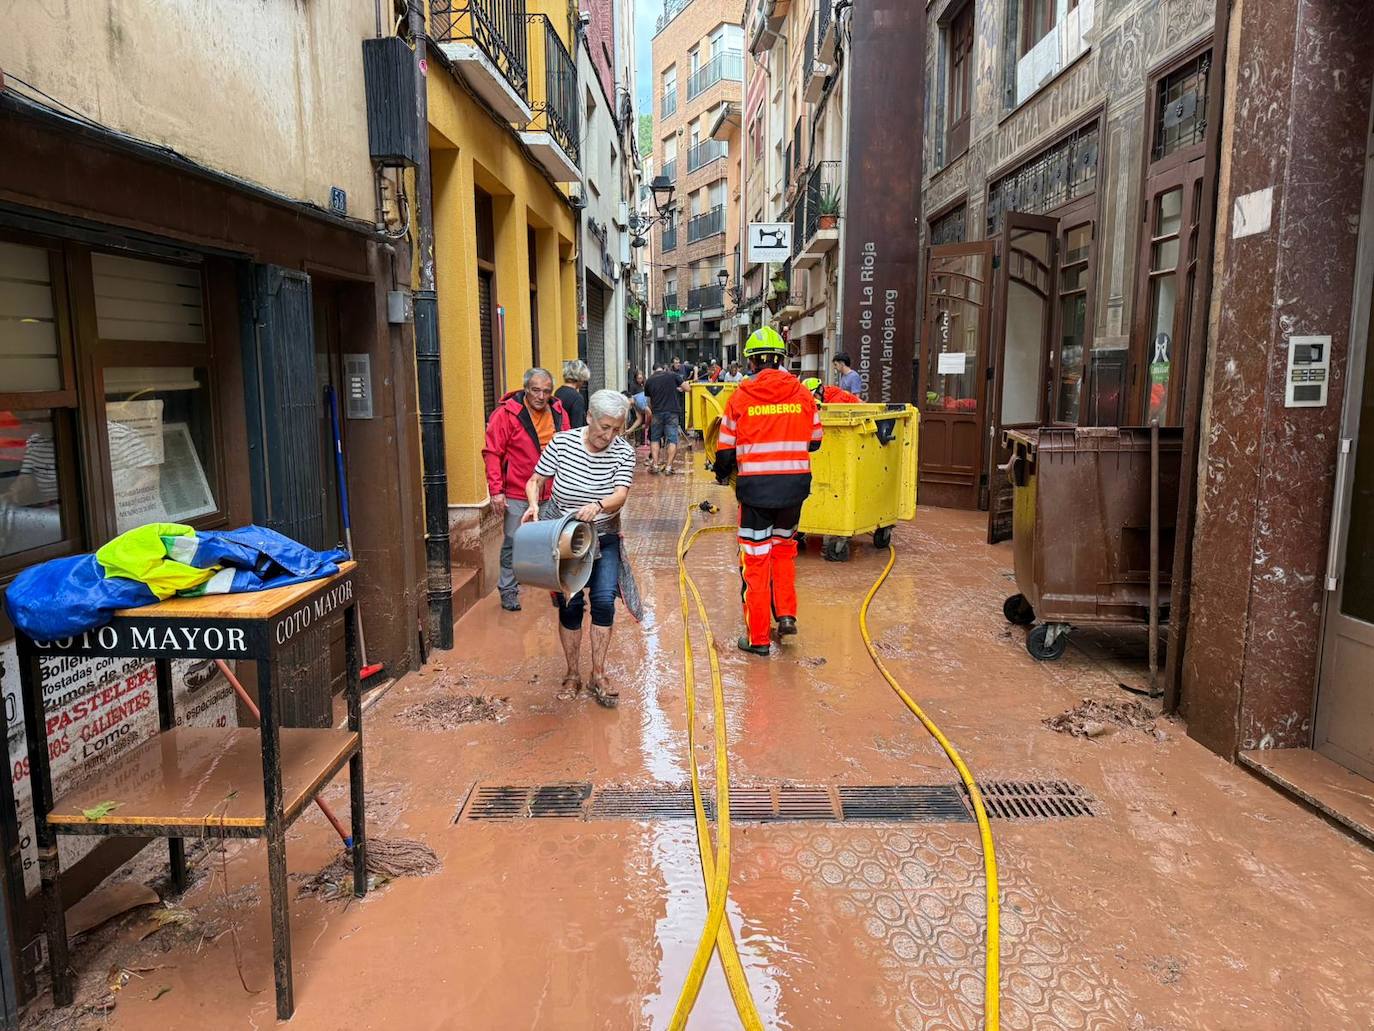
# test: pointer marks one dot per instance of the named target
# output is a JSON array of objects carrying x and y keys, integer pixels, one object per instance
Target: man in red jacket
[
  {"x": 770, "y": 427},
  {"x": 522, "y": 424}
]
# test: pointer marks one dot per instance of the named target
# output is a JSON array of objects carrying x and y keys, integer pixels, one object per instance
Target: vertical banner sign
[{"x": 883, "y": 194}]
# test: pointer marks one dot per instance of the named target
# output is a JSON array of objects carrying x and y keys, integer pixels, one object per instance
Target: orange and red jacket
[
  {"x": 839, "y": 396},
  {"x": 770, "y": 426}
]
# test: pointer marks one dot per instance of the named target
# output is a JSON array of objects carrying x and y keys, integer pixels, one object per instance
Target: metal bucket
[{"x": 555, "y": 554}]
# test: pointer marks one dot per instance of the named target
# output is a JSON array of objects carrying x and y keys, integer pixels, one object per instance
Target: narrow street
[{"x": 1195, "y": 896}]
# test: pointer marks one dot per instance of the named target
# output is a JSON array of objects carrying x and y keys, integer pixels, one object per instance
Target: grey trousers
[{"x": 507, "y": 585}]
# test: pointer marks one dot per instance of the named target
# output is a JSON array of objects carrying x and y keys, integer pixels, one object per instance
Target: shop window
[
  {"x": 141, "y": 445},
  {"x": 1057, "y": 175},
  {"x": 959, "y": 89},
  {"x": 39, "y": 511},
  {"x": 160, "y": 440},
  {"x": 1166, "y": 266},
  {"x": 1181, "y": 108},
  {"x": 950, "y": 227},
  {"x": 1075, "y": 279}
]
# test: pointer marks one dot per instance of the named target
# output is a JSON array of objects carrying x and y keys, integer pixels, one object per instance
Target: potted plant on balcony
[
  {"x": 779, "y": 285},
  {"x": 828, "y": 208}
]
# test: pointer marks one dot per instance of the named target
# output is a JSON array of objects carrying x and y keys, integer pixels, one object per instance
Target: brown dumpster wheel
[
  {"x": 1040, "y": 650},
  {"x": 1018, "y": 610},
  {"x": 882, "y": 537}
]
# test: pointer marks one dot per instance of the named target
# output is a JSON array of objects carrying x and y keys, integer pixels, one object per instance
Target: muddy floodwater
[{"x": 1192, "y": 896}]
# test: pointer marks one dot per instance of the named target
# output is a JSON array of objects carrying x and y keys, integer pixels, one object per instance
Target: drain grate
[
  {"x": 668, "y": 803},
  {"x": 1035, "y": 800},
  {"x": 782, "y": 803},
  {"x": 511, "y": 802},
  {"x": 903, "y": 803}
]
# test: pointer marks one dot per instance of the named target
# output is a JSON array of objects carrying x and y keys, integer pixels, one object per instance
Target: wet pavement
[{"x": 1197, "y": 897}]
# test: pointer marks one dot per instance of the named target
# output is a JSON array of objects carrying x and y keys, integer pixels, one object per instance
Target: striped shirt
[{"x": 581, "y": 477}]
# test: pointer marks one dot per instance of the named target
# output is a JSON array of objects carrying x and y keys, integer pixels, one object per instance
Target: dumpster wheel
[
  {"x": 882, "y": 537},
  {"x": 1018, "y": 610},
  {"x": 992, "y": 956},
  {"x": 1047, "y": 642},
  {"x": 835, "y": 549}
]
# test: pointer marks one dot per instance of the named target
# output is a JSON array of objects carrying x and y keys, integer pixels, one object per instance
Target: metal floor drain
[
  {"x": 903, "y": 803},
  {"x": 780, "y": 803},
  {"x": 1035, "y": 800}
]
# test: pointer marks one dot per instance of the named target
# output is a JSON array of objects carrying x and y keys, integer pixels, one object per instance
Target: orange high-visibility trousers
[{"x": 768, "y": 566}]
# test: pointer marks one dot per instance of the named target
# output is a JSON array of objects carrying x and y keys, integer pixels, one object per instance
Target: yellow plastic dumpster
[
  {"x": 863, "y": 478},
  {"x": 706, "y": 403}
]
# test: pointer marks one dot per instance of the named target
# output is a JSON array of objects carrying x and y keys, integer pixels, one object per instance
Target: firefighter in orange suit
[{"x": 770, "y": 427}]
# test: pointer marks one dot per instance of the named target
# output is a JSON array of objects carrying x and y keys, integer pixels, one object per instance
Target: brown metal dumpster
[{"x": 1081, "y": 528}]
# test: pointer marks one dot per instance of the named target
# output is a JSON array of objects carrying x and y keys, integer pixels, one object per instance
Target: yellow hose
[
  {"x": 991, "y": 999},
  {"x": 716, "y": 933}
]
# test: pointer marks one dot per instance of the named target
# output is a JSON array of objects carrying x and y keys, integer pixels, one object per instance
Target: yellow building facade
[{"x": 502, "y": 101}]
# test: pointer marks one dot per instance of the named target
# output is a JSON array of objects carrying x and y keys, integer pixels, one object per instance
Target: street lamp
[
  {"x": 662, "y": 189},
  {"x": 722, "y": 277}
]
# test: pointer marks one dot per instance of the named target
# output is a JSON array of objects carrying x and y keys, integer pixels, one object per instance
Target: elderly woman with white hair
[
  {"x": 576, "y": 376},
  {"x": 592, "y": 469}
]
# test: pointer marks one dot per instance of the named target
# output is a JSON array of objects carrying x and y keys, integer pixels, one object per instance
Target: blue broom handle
[{"x": 333, "y": 400}]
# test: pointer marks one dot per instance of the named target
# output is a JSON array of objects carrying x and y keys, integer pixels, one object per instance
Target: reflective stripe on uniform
[
  {"x": 751, "y": 534},
  {"x": 791, "y": 465},
  {"x": 785, "y": 534},
  {"x": 756, "y": 549},
  {"x": 771, "y": 447}
]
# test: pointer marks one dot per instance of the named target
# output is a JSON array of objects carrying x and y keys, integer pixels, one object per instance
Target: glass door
[
  {"x": 1026, "y": 291},
  {"x": 952, "y": 373},
  {"x": 1345, "y": 688}
]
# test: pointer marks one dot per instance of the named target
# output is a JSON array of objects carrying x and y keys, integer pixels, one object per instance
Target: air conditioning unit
[{"x": 622, "y": 217}]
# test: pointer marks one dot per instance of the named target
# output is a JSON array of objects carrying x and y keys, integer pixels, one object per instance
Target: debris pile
[
  {"x": 448, "y": 712},
  {"x": 386, "y": 860},
  {"x": 1094, "y": 718}
]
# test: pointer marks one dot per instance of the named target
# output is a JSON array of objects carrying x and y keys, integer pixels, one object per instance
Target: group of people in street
[{"x": 550, "y": 452}]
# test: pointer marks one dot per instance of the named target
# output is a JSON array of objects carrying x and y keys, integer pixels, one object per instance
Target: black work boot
[
  {"x": 753, "y": 649},
  {"x": 787, "y": 626}
]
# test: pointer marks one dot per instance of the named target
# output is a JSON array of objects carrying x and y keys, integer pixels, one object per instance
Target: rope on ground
[
  {"x": 716, "y": 934},
  {"x": 991, "y": 999}
]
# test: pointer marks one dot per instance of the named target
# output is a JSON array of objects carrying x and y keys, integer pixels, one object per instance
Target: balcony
[
  {"x": 670, "y": 301},
  {"x": 765, "y": 23},
  {"x": 552, "y": 135},
  {"x": 819, "y": 202},
  {"x": 727, "y": 65},
  {"x": 825, "y": 32},
  {"x": 708, "y": 223},
  {"x": 704, "y": 297},
  {"x": 487, "y": 41},
  {"x": 669, "y": 238},
  {"x": 704, "y": 153},
  {"x": 668, "y": 106},
  {"x": 814, "y": 70},
  {"x": 670, "y": 169}
]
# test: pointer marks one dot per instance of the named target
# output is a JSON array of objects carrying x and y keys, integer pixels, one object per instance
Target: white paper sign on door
[{"x": 952, "y": 363}]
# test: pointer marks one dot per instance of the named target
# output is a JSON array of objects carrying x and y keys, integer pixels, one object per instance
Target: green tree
[{"x": 646, "y": 135}]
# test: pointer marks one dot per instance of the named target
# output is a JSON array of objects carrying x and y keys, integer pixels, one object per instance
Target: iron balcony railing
[
  {"x": 496, "y": 27},
  {"x": 556, "y": 111},
  {"x": 821, "y": 191},
  {"x": 726, "y": 65},
  {"x": 704, "y": 153},
  {"x": 670, "y": 170},
  {"x": 822, "y": 18},
  {"x": 669, "y": 237},
  {"x": 704, "y": 297},
  {"x": 670, "y": 301},
  {"x": 798, "y": 225},
  {"x": 669, "y": 106},
  {"x": 810, "y": 51},
  {"x": 708, "y": 223}
]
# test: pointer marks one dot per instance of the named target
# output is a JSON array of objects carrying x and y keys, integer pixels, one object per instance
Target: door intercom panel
[{"x": 1309, "y": 368}]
